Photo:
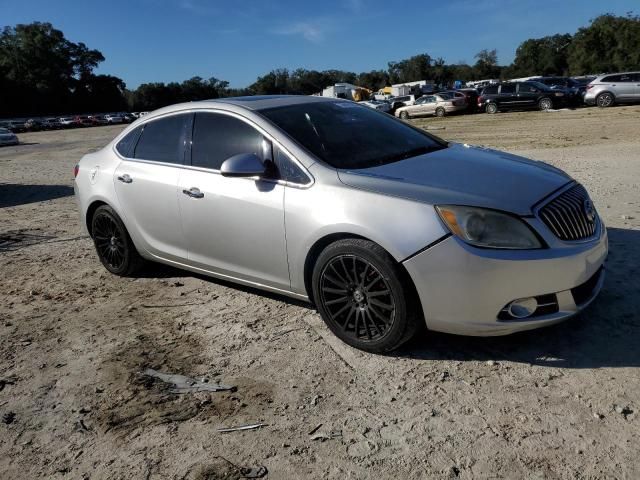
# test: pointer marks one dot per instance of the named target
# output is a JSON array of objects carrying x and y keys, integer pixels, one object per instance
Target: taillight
[
  {"x": 589, "y": 87},
  {"x": 76, "y": 169}
]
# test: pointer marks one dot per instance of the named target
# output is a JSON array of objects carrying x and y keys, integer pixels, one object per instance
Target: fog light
[{"x": 523, "y": 307}]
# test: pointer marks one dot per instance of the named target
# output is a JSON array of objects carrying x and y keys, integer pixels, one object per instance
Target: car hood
[{"x": 463, "y": 175}]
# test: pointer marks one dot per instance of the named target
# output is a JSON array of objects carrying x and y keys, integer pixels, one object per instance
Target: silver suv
[{"x": 609, "y": 89}]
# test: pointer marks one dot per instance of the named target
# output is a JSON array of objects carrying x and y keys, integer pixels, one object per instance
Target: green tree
[
  {"x": 486, "y": 65},
  {"x": 609, "y": 44},
  {"x": 412, "y": 69},
  {"x": 542, "y": 56}
]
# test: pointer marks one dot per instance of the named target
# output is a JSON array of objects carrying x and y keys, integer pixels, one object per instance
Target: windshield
[
  {"x": 4, "y": 130},
  {"x": 350, "y": 136}
]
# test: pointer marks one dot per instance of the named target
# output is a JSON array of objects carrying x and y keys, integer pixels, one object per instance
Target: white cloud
[{"x": 310, "y": 31}]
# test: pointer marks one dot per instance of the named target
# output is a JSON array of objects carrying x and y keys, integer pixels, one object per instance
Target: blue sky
[{"x": 172, "y": 40}]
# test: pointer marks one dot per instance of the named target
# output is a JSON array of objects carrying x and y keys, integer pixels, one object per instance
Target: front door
[{"x": 233, "y": 226}]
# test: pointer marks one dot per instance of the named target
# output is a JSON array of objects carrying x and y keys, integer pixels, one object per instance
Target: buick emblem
[{"x": 589, "y": 210}]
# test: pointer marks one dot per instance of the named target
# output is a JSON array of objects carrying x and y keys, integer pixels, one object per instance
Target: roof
[{"x": 261, "y": 102}]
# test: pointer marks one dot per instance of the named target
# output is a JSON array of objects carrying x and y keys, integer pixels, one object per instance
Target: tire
[
  {"x": 364, "y": 296},
  {"x": 404, "y": 115},
  {"x": 605, "y": 99},
  {"x": 545, "y": 104},
  {"x": 113, "y": 244},
  {"x": 440, "y": 112},
  {"x": 491, "y": 108}
]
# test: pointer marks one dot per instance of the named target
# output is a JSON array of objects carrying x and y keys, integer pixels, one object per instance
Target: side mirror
[{"x": 243, "y": 165}]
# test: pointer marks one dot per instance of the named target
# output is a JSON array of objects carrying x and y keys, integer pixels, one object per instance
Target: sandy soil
[{"x": 560, "y": 402}]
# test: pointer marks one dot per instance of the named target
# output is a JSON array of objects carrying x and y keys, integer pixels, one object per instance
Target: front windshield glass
[{"x": 349, "y": 136}]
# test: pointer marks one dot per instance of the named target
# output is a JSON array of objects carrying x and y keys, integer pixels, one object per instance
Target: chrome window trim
[{"x": 248, "y": 121}]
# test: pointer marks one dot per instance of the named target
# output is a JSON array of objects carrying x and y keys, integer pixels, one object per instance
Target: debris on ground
[
  {"x": 184, "y": 384},
  {"x": 251, "y": 426},
  {"x": 8, "y": 418},
  {"x": 327, "y": 436},
  {"x": 253, "y": 472}
]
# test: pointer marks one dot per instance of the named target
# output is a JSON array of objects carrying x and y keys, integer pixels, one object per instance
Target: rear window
[
  {"x": 350, "y": 136},
  {"x": 163, "y": 140}
]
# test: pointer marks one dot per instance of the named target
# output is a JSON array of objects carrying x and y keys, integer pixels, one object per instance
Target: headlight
[
  {"x": 487, "y": 228},
  {"x": 559, "y": 94}
]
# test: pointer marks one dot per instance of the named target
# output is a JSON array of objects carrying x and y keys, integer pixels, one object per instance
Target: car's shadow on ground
[
  {"x": 606, "y": 334},
  {"x": 12, "y": 195}
]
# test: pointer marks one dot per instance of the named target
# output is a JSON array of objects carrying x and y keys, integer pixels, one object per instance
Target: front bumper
[{"x": 463, "y": 289}]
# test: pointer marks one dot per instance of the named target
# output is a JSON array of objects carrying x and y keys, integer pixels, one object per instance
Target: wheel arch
[
  {"x": 323, "y": 242},
  {"x": 602, "y": 93},
  {"x": 91, "y": 210}
]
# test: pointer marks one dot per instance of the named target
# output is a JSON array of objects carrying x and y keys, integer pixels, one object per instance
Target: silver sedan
[{"x": 385, "y": 228}]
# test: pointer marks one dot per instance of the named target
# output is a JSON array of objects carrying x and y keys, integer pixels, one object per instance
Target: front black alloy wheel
[
  {"x": 113, "y": 244},
  {"x": 364, "y": 297}
]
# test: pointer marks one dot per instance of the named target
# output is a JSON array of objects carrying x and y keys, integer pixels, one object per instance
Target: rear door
[
  {"x": 233, "y": 226},
  {"x": 508, "y": 97},
  {"x": 146, "y": 183}
]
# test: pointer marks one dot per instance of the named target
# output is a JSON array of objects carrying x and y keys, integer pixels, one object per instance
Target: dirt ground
[{"x": 561, "y": 402}]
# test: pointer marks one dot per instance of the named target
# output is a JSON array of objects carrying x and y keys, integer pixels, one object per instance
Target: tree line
[{"x": 42, "y": 72}]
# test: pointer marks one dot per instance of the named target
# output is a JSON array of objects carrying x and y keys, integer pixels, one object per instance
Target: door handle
[
  {"x": 125, "y": 178},
  {"x": 193, "y": 192}
]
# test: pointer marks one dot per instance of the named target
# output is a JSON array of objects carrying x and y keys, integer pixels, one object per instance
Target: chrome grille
[{"x": 571, "y": 215}]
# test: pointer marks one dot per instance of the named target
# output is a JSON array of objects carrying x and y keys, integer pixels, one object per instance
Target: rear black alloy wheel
[
  {"x": 364, "y": 296},
  {"x": 113, "y": 244}
]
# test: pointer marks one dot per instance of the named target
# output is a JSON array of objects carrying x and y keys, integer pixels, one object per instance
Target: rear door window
[
  {"x": 612, "y": 78},
  {"x": 527, "y": 88},
  {"x": 164, "y": 140},
  {"x": 217, "y": 137},
  {"x": 508, "y": 88},
  {"x": 127, "y": 144}
]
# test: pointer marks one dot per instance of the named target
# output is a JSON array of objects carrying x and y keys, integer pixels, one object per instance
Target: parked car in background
[
  {"x": 574, "y": 89},
  {"x": 379, "y": 105},
  {"x": 520, "y": 96},
  {"x": 439, "y": 105},
  {"x": 16, "y": 126},
  {"x": 67, "y": 122},
  {"x": 33, "y": 125},
  {"x": 401, "y": 101},
  {"x": 607, "y": 90},
  {"x": 83, "y": 121},
  {"x": 98, "y": 120},
  {"x": 7, "y": 137},
  {"x": 142, "y": 114},
  {"x": 471, "y": 95},
  {"x": 388, "y": 229},
  {"x": 127, "y": 117},
  {"x": 51, "y": 124},
  {"x": 112, "y": 118}
]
